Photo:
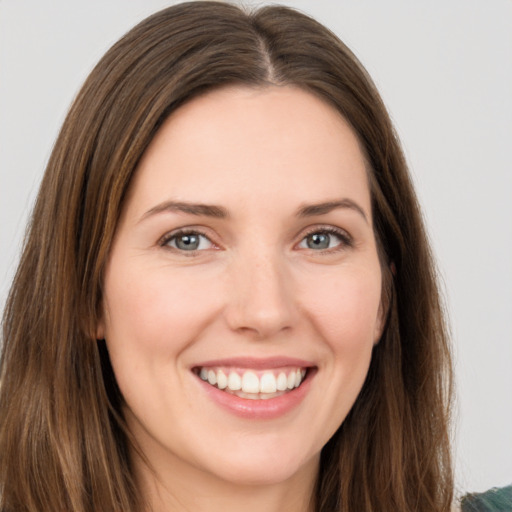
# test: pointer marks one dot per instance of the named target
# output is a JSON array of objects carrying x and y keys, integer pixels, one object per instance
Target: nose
[{"x": 261, "y": 299}]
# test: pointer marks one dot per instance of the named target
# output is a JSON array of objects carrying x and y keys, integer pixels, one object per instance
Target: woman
[{"x": 226, "y": 296}]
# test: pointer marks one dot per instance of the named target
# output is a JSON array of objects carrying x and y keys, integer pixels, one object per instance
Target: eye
[
  {"x": 187, "y": 241},
  {"x": 325, "y": 239}
]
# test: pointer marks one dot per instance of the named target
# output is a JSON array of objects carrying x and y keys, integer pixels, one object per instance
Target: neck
[{"x": 188, "y": 489}]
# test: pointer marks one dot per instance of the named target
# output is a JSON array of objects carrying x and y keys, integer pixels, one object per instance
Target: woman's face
[{"x": 244, "y": 257}]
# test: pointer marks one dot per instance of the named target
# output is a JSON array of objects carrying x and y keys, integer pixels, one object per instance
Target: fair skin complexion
[{"x": 278, "y": 274}]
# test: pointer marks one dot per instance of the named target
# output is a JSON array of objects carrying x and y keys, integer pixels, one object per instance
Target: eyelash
[
  {"x": 164, "y": 241},
  {"x": 345, "y": 239}
]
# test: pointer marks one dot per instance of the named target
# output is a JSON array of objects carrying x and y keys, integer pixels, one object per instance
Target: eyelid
[
  {"x": 346, "y": 239},
  {"x": 164, "y": 240}
]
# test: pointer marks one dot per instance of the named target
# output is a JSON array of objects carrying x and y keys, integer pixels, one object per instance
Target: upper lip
[{"x": 257, "y": 363}]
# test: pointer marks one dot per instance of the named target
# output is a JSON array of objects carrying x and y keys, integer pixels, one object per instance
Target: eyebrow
[
  {"x": 327, "y": 207},
  {"x": 199, "y": 209},
  {"x": 218, "y": 212}
]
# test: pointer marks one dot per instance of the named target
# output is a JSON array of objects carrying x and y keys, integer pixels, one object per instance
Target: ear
[
  {"x": 100, "y": 329},
  {"x": 385, "y": 301},
  {"x": 100, "y": 322},
  {"x": 380, "y": 322}
]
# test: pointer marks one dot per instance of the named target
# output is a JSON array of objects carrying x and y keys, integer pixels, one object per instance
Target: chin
[{"x": 264, "y": 467}]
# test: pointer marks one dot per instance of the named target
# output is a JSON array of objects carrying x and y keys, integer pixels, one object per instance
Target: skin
[{"x": 254, "y": 287}]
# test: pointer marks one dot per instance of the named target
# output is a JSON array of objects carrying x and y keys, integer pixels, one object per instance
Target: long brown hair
[{"x": 64, "y": 444}]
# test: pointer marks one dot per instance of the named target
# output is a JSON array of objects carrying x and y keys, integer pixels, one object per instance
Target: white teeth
[
  {"x": 268, "y": 383},
  {"x": 282, "y": 382},
  {"x": 291, "y": 380},
  {"x": 298, "y": 378},
  {"x": 222, "y": 380},
  {"x": 234, "y": 381},
  {"x": 212, "y": 377},
  {"x": 250, "y": 383}
]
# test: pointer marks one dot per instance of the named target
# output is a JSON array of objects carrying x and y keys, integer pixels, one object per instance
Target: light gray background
[{"x": 444, "y": 68}]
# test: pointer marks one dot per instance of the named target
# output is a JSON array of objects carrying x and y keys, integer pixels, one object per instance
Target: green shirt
[{"x": 495, "y": 500}]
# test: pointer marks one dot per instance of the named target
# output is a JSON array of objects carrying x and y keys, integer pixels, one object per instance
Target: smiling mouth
[{"x": 253, "y": 384}]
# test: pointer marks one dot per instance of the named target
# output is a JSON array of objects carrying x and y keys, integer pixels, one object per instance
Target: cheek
[
  {"x": 152, "y": 317},
  {"x": 346, "y": 308},
  {"x": 156, "y": 312}
]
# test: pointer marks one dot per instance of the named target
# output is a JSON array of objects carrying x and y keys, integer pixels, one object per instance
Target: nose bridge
[{"x": 261, "y": 298}]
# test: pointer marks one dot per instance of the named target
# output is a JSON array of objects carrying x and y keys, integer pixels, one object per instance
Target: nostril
[{"x": 261, "y": 322}]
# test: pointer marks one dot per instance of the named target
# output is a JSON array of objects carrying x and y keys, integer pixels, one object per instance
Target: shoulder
[{"x": 494, "y": 500}]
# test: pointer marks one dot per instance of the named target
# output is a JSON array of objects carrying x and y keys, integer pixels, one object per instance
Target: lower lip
[{"x": 267, "y": 409}]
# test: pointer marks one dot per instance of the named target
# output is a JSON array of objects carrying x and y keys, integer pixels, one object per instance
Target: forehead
[{"x": 246, "y": 143}]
